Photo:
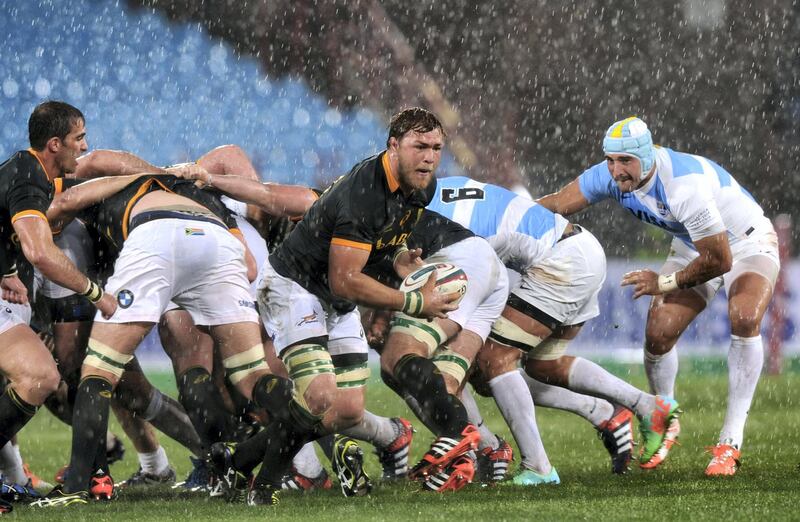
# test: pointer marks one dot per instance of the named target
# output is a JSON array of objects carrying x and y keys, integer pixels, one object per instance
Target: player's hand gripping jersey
[
  {"x": 521, "y": 231},
  {"x": 689, "y": 196}
]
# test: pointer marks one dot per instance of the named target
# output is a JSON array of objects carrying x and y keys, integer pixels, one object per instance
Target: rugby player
[
  {"x": 311, "y": 285},
  {"x": 28, "y": 181},
  {"x": 429, "y": 360},
  {"x": 557, "y": 271},
  {"x": 721, "y": 237},
  {"x": 159, "y": 224}
]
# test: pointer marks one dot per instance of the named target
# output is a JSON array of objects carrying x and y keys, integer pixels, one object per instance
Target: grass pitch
[{"x": 766, "y": 487}]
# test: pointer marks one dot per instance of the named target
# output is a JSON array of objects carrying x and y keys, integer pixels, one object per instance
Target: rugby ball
[{"x": 449, "y": 279}]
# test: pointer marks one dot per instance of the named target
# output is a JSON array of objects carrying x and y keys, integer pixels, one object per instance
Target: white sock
[
  {"x": 11, "y": 464},
  {"x": 661, "y": 372},
  {"x": 745, "y": 359},
  {"x": 593, "y": 409},
  {"x": 306, "y": 461},
  {"x": 378, "y": 431},
  {"x": 155, "y": 462},
  {"x": 488, "y": 439},
  {"x": 588, "y": 378},
  {"x": 514, "y": 400}
]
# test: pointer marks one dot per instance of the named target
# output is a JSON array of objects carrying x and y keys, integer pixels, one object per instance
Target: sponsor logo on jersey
[
  {"x": 125, "y": 298},
  {"x": 248, "y": 304},
  {"x": 308, "y": 319}
]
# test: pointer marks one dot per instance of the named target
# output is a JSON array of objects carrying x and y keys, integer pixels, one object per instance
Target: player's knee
[
  {"x": 249, "y": 364},
  {"x": 496, "y": 360},
  {"x": 38, "y": 382},
  {"x": 349, "y": 410},
  {"x": 452, "y": 365},
  {"x": 105, "y": 358},
  {"x": 543, "y": 371},
  {"x": 320, "y": 394},
  {"x": 658, "y": 339},
  {"x": 311, "y": 370},
  {"x": 744, "y": 322}
]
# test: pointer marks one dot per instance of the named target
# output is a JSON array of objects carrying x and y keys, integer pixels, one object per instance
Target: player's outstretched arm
[
  {"x": 275, "y": 199},
  {"x": 228, "y": 160},
  {"x": 345, "y": 265},
  {"x": 105, "y": 162},
  {"x": 714, "y": 260},
  {"x": 68, "y": 203},
  {"x": 38, "y": 248},
  {"x": 566, "y": 201}
]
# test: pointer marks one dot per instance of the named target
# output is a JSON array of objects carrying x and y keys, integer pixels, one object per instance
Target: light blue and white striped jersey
[
  {"x": 689, "y": 196},
  {"x": 520, "y": 230}
]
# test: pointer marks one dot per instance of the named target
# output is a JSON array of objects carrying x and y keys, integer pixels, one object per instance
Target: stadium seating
[{"x": 169, "y": 92}]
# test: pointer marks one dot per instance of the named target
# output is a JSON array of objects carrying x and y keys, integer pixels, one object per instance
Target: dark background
[{"x": 527, "y": 88}]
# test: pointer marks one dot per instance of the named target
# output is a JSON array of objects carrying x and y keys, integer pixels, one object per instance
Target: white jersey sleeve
[{"x": 691, "y": 199}]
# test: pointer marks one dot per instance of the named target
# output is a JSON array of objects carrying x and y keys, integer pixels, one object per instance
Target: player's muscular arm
[
  {"x": 566, "y": 201},
  {"x": 714, "y": 260},
  {"x": 112, "y": 163},
  {"x": 275, "y": 199},
  {"x": 73, "y": 200},
  {"x": 348, "y": 282},
  {"x": 38, "y": 248},
  {"x": 228, "y": 160}
]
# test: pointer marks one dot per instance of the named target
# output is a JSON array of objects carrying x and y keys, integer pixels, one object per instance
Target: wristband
[
  {"x": 12, "y": 272},
  {"x": 93, "y": 292},
  {"x": 412, "y": 303},
  {"x": 403, "y": 248},
  {"x": 668, "y": 282}
]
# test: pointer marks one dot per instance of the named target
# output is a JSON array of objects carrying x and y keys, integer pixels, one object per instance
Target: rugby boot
[
  {"x": 142, "y": 478},
  {"x": 653, "y": 427},
  {"x": 445, "y": 450},
  {"x": 262, "y": 495},
  {"x": 297, "y": 481},
  {"x": 35, "y": 481},
  {"x": 493, "y": 463},
  {"x": 394, "y": 457},
  {"x": 528, "y": 477},
  {"x": 18, "y": 492},
  {"x": 453, "y": 477},
  {"x": 725, "y": 461},
  {"x": 233, "y": 483},
  {"x": 617, "y": 436},
  {"x": 57, "y": 498},
  {"x": 102, "y": 486},
  {"x": 198, "y": 479},
  {"x": 670, "y": 439},
  {"x": 348, "y": 464}
]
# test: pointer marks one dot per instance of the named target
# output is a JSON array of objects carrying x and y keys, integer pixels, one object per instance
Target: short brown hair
[
  {"x": 413, "y": 119},
  {"x": 51, "y": 119}
]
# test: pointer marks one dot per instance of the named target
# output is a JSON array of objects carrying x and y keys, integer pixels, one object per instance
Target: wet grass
[{"x": 767, "y": 486}]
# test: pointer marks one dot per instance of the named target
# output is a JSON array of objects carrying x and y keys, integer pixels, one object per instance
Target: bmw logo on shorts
[{"x": 125, "y": 298}]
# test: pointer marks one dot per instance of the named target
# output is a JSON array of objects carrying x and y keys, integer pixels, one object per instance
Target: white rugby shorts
[
  {"x": 487, "y": 288},
  {"x": 757, "y": 253},
  {"x": 197, "y": 265},
  {"x": 565, "y": 284},
  {"x": 291, "y": 314},
  {"x": 13, "y": 314}
]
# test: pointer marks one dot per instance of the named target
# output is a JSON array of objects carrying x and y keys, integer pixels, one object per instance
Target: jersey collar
[
  {"x": 47, "y": 174},
  {"x": 391, "y": 180}
]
